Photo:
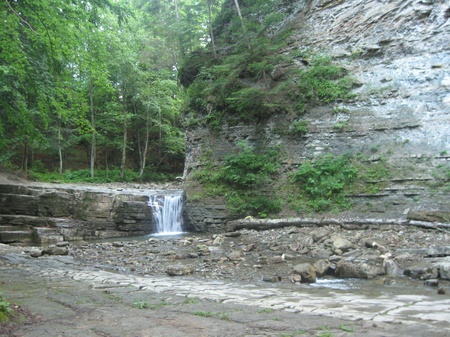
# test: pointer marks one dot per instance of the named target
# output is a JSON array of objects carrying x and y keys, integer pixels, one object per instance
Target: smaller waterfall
[{"x": 167, "y": 212}]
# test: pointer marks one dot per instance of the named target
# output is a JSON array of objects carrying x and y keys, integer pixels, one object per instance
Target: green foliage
[
  {"x": 247, "y": 81},
  {"x": 345, "y": 328},
  {"x": 242, "y": 179},
  {"x": 299, "y": 127},
  {"x": 251, "y": 202},
  {"x": 101, "y": 176},
  {"x": 5, "y": 309},
  {"x": 324, "y": 182},
  {"x": 247, "y": 169},
  {"x": 229, "y": 83},
  {"x": 74, "y": 75},
  {"x": 323, "y": 82},
  {"x": 221, "y": 315},
  {"x": 146, "y": 305}
]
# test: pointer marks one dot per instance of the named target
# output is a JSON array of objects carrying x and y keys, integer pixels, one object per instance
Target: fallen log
[{"x": 350, "y": 223}]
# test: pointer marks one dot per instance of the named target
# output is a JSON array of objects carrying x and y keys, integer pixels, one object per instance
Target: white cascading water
[{"x": 167, "y": 212}]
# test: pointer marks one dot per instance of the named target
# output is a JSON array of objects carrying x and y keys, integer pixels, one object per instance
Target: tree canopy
[{"x": 93, "y": 84}]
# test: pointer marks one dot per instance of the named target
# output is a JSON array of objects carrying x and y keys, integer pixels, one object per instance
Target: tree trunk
[
  {"x": 238, "y": 8},
  {"x": 124, "y": 144},
  {"x": 211, "y": 32},
  {"x": 180, "y": 40},
  {"x": 60, "y": 151},
  {"x": 93, "y": 138},
  {"x": 144, "y": 151},
  {"x": 26, "y": 151},
  {"x": 244, "y": 29}
]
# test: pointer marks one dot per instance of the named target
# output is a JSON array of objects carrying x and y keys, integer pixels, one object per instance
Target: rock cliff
[
  {"x": 398, "y": 52},
  {"x": 50, "y": 213}
]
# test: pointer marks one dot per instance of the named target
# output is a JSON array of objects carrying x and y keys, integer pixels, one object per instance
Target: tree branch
[{"x": 21, "y": 19}]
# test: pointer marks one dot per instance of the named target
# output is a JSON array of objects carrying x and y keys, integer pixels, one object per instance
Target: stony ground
[
  {"x": 236, "y": 284},
  {"x": 253, "y": 256}
]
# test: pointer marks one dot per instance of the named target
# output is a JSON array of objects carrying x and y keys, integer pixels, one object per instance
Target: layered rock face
[
  {"x": 50, "y": 214},
  {"x": 399, "y": 53}
]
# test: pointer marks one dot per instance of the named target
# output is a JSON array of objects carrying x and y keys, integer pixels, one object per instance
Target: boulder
[
  {"x": 318, "y": 234},
  {"x": 55, "y": 250},
  {"x": 179, "y": 270},
  {"x": 322, "y": 267},
  {"x": 362, "y": 267},
  {"x": 341, "y": 244},
  {"x": 392, "y": 268},
  {"x": 444, "y": 268},
  {"x": 235, "y": 255},
  {"x": 423, "y": 270},
  {"x": 306, "y": 271}
]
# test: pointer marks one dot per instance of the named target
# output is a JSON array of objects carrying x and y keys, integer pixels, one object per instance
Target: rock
[
  {"x": 287, "y": 257},
  {"x": 422, "y": 271},
  {"x": 249, "y": 247},
  {"x": 192, "y": 255},
  {"x": 179, "y": 270},
  {"x": 202, "y": 248},
  {"x": 374, "y": 243},
  {"x": 296, "y": 278},
  {"x": 432, "y": 282},
  {"x": 233, "y": 234},
  {"x": 271, "y": 279},
  {"x": 318, "y": 234},
  {"x": 320, "y": 253},
  {"x": 441, "y": 291},
  {"x": 294, "y": 246},
  {"x": 278, "y": 259},
  {"x": 54, "y": 250},
  {"x": 235, "y": 255},
  {"x": 306, "y": 271},
  {"x": 444, "y": 268},
  {"x": 366, "y": 268},
  {"x": 392, "y": 268},
  {"x": 219, "y": 240},
  {"x": 341, "y": 244},
  {"x": 36, "y": 252},
  {"x": 322, "y": 266}
]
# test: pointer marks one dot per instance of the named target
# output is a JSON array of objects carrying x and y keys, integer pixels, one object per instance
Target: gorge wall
[{"x": 399, "y": 53}]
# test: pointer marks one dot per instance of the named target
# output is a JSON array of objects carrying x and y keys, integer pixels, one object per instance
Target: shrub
[
  {"x": 248, "y": 168},
  {"x": 323, "y": 82},
  {"x": 324, "y": 182},
  {"x": 244, "y": 180}
]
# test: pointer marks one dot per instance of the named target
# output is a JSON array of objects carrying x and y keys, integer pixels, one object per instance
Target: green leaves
[
  {"x": 325, "y": 180},
  {"x": 245, "y": 180},
  {"x": 247, "y": 169}
]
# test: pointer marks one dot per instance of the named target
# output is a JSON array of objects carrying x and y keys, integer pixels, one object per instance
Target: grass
[
  {"x": 146, "y": 305},
  {"x": 5, "y": 310},
  {"x": 191, "y": 300},
  {"x": 221, "y": 315},
  {"x": 345, "y": 328}
]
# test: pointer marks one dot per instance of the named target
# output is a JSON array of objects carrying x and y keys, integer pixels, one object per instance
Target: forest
[{"x": 89, "y": 89}]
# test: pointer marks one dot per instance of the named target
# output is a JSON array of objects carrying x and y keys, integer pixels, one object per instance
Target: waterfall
[{"x": 167, "y": 213}]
